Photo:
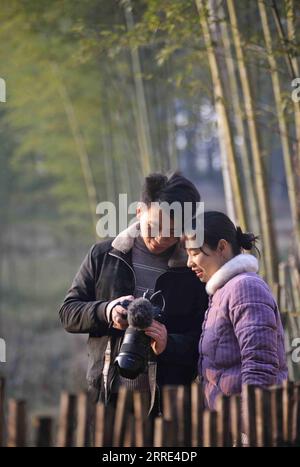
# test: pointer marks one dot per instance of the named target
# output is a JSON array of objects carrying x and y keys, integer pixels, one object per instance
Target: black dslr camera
[{"x": 135, "y": 349}]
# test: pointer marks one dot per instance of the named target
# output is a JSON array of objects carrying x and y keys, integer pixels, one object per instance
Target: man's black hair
[{"x": 169, "y": 188}]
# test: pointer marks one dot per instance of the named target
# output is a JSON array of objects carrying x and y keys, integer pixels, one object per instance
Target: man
[{"x": 125, "y": 267}]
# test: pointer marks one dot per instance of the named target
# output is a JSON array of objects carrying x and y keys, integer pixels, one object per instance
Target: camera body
[{"x": 134, "y": 353}]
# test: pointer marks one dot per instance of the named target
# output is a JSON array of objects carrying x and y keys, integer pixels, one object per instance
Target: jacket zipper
[
  {"x": 201, "y": 337},
  {"x": 132, "y": 270},
  {"x": 127, "y": 264}
]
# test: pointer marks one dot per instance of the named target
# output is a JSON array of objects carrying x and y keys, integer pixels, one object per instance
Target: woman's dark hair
[
  {"x": 169, "y": 188},
  {"x": 218, "y": 226}
]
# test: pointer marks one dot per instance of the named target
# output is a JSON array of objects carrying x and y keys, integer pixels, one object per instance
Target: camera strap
[
  {"x": 152, "y": 367},
  {"x": 107, "y": 358}
]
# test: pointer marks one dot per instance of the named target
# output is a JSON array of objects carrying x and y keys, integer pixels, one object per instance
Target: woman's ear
[{"x": 222, "y": 246}]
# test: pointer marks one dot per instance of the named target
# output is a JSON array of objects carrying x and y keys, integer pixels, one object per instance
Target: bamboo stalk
[
  {"x": 253, "y": 217},
  {"x": 293, "y": 68},
  {"x": 106, "y": 139},
  {"x": 234, "y": 196},
  {"x": 268, "y": 236},
  {"x": 79, "y": 143},
  {"x": 141, "y": 115},
  {"x": 282, "y": 36},
  {"x": 291, "y": 31},
  {"x": 287, "y": 156}
]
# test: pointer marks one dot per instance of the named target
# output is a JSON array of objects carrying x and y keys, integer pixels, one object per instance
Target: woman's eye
[{"x": 193, "y": 253}]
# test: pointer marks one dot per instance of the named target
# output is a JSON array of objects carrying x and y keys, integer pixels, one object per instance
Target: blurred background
[{"x": 98, "y": 94}]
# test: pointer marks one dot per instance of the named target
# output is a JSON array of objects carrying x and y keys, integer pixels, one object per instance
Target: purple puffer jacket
[{"x": 242, "y": 341}]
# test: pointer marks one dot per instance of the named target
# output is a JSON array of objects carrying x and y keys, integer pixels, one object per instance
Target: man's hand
[
  {"x": 118, "y": 312},
  {"x": 159, "y": 335}
]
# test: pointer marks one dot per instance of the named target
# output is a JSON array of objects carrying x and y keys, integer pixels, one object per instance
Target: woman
[{"x": 242, "y": 339}]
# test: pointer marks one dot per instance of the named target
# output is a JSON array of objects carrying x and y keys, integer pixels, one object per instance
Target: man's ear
[{"x": 138, "y": 211}]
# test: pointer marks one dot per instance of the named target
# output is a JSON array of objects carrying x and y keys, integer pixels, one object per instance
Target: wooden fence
[{"x": 270, "y": 418}]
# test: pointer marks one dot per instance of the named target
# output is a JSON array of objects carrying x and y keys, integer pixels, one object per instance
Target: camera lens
[
  {"x": 130, "y": 366},
  {"x": 133, "y": 356}
]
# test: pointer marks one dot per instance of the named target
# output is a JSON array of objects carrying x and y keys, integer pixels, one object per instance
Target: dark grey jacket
[{"x": 107, "y": 273}]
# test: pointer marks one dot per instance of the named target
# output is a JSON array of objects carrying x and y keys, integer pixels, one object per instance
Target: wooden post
[
  {"x": 263, "y": 417},
  {"x": 287, "y": 402},
  {"x": 163, "y": 433},
  {"x": 209, "y": 428},
  {"x": 104, "y": 425},
  {"x": 43, "y": 428},
  {"x": 82, "y": 432},
  {"x": 236, "y": 420},
  {"x": 296, "y": 415},
  {"x": 197, "y": 407},
  {"x": 223, "y": 422},
  {"x": 2, "y": 397},
  {"x": 129, "y": 432},
  {"x": 143, "y": 423},
  {"x": 259, "y": 418},
  {"x": 67, "y": 420},
  {"x": 169, "y": 396},
  {"x": 184, "y": 415},
  {"x": 248, "y": 411},
  {"x": 16, "y": 436},
  {"x": 276, "y": 416},
  {"x": 123, "y": 408}
]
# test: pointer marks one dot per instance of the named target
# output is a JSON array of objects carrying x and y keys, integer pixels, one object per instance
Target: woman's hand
[{"x": 158, "y": 333}]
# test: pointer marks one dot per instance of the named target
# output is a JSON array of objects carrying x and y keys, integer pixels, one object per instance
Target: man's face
[{"x": 157, "y": 230}]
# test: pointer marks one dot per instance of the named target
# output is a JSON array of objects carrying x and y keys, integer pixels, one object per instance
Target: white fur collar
[
  {"x": 237, "y": 265},
  {"x": 125, "y": 240}
]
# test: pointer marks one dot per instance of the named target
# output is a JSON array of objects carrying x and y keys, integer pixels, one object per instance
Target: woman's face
[{"x": 205, "y": 262}]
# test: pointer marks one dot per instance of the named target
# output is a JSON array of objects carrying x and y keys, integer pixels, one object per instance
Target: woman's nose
[{"x": 189, "y": 262}]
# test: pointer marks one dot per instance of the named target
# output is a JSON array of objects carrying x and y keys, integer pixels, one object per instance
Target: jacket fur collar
[
  {"x": 237, "y": 265},
  {"x": 125, "y": 240}
]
